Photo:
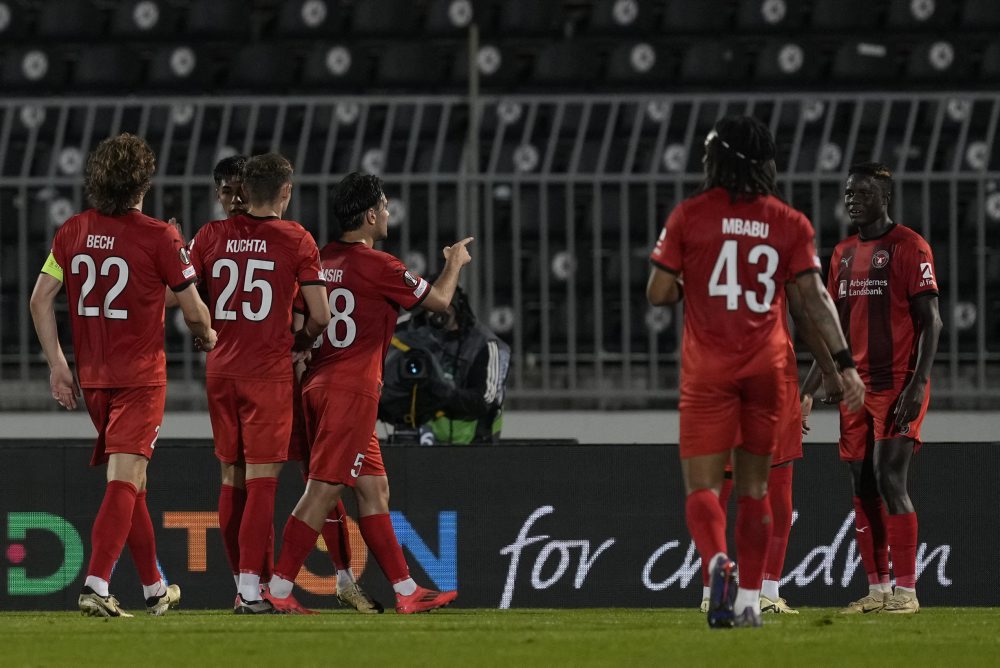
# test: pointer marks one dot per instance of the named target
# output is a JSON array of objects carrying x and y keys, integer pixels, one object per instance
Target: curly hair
[
  {"x": 119, "y": 172},
  {"x": 264, "y": 175},
  {"x": 355, "y": 194},
  {"x": 739, "y": 156}
]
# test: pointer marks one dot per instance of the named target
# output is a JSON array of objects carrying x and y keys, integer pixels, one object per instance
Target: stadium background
[{"x": 559, "y": 134}]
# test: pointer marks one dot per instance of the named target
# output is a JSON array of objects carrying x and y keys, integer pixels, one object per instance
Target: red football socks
[
  {"x": 338, "y": 544},
  {"x": 706, "y": 522},
  {"x": 267, "y": 568},
  {"x": 257, "y": 524},
  {"x": 111, "y": 528},
  {"x": 232, "y": 500},
  {"x": 142, "y": 542},
  {"x": 779, "y": 493},
  {"x": 870, "y": 534},
  {"x": 297, "y": 542},
  {"x": 381, "y": 540},
  {"x": 902, "y": 530},
  {"x": 724, "y": 494},
  {"x": 753, "y": 536}
]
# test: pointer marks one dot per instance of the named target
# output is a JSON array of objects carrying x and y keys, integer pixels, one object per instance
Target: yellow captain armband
[{"x": 52, "y": 268}]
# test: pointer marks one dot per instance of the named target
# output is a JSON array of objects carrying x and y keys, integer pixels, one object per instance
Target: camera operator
[{"x": 456, "y": 368}]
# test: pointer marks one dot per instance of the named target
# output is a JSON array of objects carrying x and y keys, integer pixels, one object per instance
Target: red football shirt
[
  {"x": 366, "y": 287},
  {"x": 114, "y": 270},
  {"x": 734, "y": 259},
  {"x": 872, "y": 282},
  {"x": 251, "y": 268}
]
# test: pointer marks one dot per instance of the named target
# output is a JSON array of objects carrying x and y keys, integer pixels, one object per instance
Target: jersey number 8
[
  {"x": 724, "y": 281},
  {"x": 341, "y": 316}
]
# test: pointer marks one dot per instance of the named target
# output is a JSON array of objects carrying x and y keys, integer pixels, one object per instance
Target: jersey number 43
[{"x": 724, "y": 281}]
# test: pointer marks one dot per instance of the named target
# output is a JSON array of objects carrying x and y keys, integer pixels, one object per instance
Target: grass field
[{"x": 512, "y": 638}]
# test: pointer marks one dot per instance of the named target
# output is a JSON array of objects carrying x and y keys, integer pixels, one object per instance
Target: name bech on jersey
[
  {"x": 100, "y": 241},
  {"x": 246, "y": 246},
  {"x": 746, "y": 228}
]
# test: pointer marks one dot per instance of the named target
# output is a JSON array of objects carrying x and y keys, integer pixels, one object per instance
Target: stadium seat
[
  {"x": 310, "y": 18},
  {"x": 567, "y": 63},
  {"x": 385, "y": 17},
  {"x": 108, "y": 68},
  {"x": 69, "y": 20},
  {"x": 756, "y": 16},
  {"x": 262, "y": 67},
  {"x": 683, "y": 16},
  {"x": 416, "y": 64},
  {"x": 13, "y": 22},
  {"x": 936, "y": 60},
  {"x": 787, "y": 62},
  {"x": 920, "y": 14},
  {"x": 712, "y": 62},
  {"x": 454, "y": 16},
  {"x": 981, "y": 14},
  {"x": 842, "y": 15},
  {"x": 621, "y": 17},
  {"x": 139, "y": 19},
  {"x": 528, "y": 17},
  {"x": 640, "y": 63},
  {"x": 219, "y": 19},
  {"x": 864, "y": 61},
  {"x": 32, "y": 69},
  {"x": 179, "y": 67},
  {"x": 336, "y": 66},
  {"x": 496, "y": 62}
]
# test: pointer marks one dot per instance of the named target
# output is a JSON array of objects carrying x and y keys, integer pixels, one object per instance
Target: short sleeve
[
  {"x": 309, "y": 272},
  {"x": 174, "y": 260},
  {"x": 196, "y": 250},
  {"x": 401, "y": 286},
  {"x": 668, "y": 252},
  {"x": 920, "y": 277},
  {"x": 803, "y": 258},
  {"x": 52, "y": 268}
]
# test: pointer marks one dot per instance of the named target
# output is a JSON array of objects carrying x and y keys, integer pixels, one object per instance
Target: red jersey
[
  {"x": 251, "y": 268},
  {"x": 114, "y": 269},
  {"x": 872, "y": 282},
  {"x": 366, "y": 287},
  {"x": 734, "y": 259}
]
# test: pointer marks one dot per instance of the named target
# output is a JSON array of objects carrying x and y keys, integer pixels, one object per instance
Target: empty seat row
[
  {"x": 275, "y": 68},
  {"x": 235, "y": 19}
]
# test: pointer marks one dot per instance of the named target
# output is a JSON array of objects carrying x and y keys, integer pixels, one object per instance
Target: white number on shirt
[
  {"x": 724, "y": 281},
  {"x": 90, "y": 281},
  {"x": 341, "y": 315},
  {"x": 249, "y": 285}
]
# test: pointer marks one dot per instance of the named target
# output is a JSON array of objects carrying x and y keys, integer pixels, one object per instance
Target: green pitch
[{"x": 510, "y": 638}]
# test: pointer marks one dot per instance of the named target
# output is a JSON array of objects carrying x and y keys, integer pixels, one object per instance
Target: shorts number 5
[{"x": 356, "y": 469}]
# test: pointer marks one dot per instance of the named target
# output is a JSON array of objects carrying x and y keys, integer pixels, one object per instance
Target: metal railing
[{"x": 565, "y": 195}]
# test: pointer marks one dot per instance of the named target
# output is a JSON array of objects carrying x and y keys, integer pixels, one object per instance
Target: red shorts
[
  {"x": 340, "y": 427},
  {"x": 127, "y": 420},
  {"x": 298, "y": 445},
  {"x": 874, "y": 422},
  {"x": 251, "y": 419},
  {"x": 715, "y": 412},
  {"x": 789, "y": 443}
]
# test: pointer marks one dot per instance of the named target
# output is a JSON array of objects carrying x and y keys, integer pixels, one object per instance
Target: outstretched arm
[{"x": 197, "y": 317}]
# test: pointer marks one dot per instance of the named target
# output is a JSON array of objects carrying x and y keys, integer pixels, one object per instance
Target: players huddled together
[{"x": 296, "y": 336}]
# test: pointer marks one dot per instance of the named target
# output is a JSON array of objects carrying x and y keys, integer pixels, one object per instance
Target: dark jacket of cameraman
[{"x": 475, "y": 360}]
